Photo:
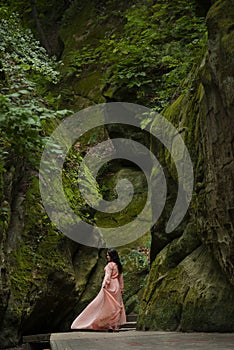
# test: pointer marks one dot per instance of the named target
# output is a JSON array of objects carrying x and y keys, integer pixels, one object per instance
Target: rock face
[
  {"x": 190, "y": 285},
  {"x": 42, "y": 281},
  {"x": 218, "y": 135}
]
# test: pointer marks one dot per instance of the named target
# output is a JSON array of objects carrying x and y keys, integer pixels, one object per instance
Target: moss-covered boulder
[{"x": 193, "y": 296}]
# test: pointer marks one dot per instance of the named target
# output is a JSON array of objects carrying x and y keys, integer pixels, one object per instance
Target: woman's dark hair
[{"x": 115, "y": 258}]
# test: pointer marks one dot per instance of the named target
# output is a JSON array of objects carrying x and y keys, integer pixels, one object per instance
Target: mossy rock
[
  {"x": 190, "y": 297},
  {"x": 131, "y": 210},
  {"x": 83, "y": 26}
]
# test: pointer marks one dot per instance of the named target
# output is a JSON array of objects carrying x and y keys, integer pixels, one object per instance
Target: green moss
[
  {"x": 84, "y": 23},
  {"x": 228, "y": 43},
  {"x": 163, "y": 309},
  {"x": 220, "y": 13},
  {"x": 83, "y": 27},
  {"x": 108, "y": 185},
  {"x": 170, "y": 257},
  {"x": 88, "y": 87},
  {"x": 189, "y": 297},
  {"x": 38, "y": 253},
  {"x": 173, "y": 112}
]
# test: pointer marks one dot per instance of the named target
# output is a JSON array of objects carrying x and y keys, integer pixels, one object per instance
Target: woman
[{"x": 106, "y": 311}]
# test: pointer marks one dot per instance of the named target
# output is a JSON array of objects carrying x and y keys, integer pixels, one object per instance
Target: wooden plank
[
  {"x": 26, "y": 346},
  {"x": 35, "y": 338},
  {"x": 132, "y": 318}
]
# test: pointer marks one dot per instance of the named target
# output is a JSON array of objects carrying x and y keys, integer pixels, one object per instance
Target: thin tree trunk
[{"x": 41, "y": 32}]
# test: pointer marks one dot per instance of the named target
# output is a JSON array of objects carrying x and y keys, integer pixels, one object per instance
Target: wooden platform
[
  {"x": 36, "y": 341},
  {"x": 141, "y": 340},
  {"x": 44, "y": 341}
]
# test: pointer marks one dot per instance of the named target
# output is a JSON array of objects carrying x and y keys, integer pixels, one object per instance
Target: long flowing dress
[{"x": 107, "y": 310}]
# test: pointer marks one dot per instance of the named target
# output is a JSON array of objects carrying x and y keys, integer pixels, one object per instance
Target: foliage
[
  {"x": 24, "y": 65},
  {"x": 24, "y": 7},
  {"x": 138, "y": 259},
  {"x": 153, "y": 53}
]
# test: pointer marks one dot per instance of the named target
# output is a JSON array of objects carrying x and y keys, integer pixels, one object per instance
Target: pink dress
[{"x": 106, "y": 311}]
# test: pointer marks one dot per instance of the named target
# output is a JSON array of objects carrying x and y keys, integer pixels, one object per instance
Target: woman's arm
[
  {"x": 107, "y": 277},
  {"x": 121, "y": 283}
]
